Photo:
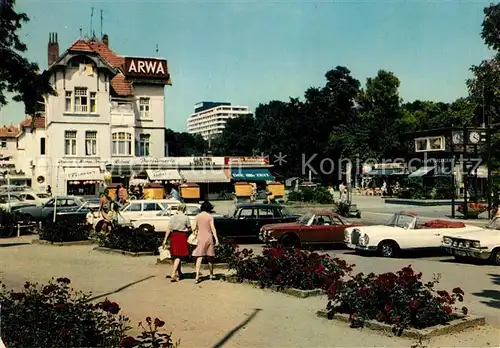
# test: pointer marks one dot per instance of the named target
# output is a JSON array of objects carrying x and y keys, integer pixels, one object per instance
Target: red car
[{"x": 314, "y": 227}]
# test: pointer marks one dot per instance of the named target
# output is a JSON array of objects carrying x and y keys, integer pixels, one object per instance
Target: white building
[
  {"x": 209, "y": 118},
  {"x": 106, "y": 107}
]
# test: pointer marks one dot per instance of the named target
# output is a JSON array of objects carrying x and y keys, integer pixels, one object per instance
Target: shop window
[
  {"x": 90, "y": 143},
  {"x": 144, "y": 144},
  {"x": 144, "y": 107},
  {"x": 42, "y": 146},
  {"x": 121, "y": 144},
  {"x": 70, "y": 143}
]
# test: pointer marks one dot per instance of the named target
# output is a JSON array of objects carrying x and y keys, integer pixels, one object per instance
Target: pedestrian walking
[
  {"x": 178, "y": 231},
  {"x": 207, "y": 239}
]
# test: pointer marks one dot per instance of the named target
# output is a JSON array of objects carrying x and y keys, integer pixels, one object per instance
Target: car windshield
[
  {"x": 192, "y": 210},
  {"x": 305, "y": 218},
  {"x": 5, "y": 198},
  {"x": 402, "y": 220},
  {"x": 494, "y": 224},
  {"x": 43, "y": 195},
  {"x": 285, "y": 212}
]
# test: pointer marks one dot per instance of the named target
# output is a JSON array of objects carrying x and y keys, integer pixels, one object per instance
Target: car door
[
  {"x": 338, "y": 229},
  {"x": 132, "y": 211},
  {"x": 247, "y": 224},
  {"x": 322, "y": 229},
  {"x": 150, "y": 209},
  {"x": 265, "y": 217}
]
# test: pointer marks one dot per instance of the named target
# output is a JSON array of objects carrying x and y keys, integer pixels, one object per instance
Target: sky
[{"x": 251, "y": 52}]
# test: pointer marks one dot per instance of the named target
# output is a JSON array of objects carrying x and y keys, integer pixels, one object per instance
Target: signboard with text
[
  {"x": 146, "y": 67},
  {"x": 235, "y": 161}
]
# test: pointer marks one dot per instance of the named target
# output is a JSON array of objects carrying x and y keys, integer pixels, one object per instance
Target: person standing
[
  {"x": 206, "y": 235},
  {"x": 178, "y": 230},
  {"x": 174, "y": 193},
  {"x": 341, "y": 190}
]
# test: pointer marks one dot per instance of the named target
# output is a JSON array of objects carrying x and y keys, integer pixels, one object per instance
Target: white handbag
[
  {"x": 164, "y": 253},
  {"x": 193, "y": 239}
]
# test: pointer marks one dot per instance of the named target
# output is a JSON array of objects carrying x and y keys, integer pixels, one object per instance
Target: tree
[
  {"x": 184, "y": 144},
  {"x": 490, "y": 32},
  {"x": 17, "y": 74},
  {"x": 239, "y": 137}
]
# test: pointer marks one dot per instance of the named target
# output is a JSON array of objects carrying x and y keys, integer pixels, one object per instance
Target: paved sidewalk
[{"x": 211, "y": 314}]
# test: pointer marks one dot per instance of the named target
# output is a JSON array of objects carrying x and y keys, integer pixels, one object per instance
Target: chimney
[
  {"x": 105, "y": 40},
  {"x": 52, "y": 49}
]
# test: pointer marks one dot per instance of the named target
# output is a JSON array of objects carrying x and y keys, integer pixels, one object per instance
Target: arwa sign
[{"x": 146, "y": 67}]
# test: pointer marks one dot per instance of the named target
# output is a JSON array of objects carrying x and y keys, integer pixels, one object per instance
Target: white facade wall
[
  {"x": 10, "y": 148},
  {"x": 210, "y": 123},
  {"x": 31, "y": 160}
]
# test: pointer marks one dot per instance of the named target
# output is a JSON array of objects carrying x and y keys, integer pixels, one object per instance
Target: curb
[
  {"x": 46, "y": 242},
  {"x": 422, "y": 202},
  {"x": 224, "y": 266},
  {"x": 288, "y": 291},
  {"x": 461, "y": 323},
  {"x": 123, "y": 252}
]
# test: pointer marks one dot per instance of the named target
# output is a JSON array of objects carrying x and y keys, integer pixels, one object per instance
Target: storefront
[
  {"x": 84, "y": 181},
  {"x": 251, "y": 175}
]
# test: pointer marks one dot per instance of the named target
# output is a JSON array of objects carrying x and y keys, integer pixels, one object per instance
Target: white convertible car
[{"x": 403, "y": 232}]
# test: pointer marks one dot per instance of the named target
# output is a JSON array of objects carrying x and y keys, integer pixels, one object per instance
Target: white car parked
[
  {"x": 403, "y": 232},
  {"x": 161, "y": 221},
  {"x": 146, "y": 208},
  {"x": 36, "y": 198},
  {"x": 483, "y": 244}
]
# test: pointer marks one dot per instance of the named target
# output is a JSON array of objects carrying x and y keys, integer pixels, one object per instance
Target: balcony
[{"x": 122, "y": 114}]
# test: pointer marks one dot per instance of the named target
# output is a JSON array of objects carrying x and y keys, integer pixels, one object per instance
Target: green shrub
[
  {"x": 317, "y": 194},
  {"x": 127, "y": 238},
  {"x": 65, "y": 229},
  {"x": 54, "y": 315},
  {"x": 296, "y": 196}
]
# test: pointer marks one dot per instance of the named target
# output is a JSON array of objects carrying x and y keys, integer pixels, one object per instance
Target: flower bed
[
  {"x": 289, "y": 268},
  {"x": 54, "y": 315},
  {"x": 129, "y": 239},
  {"x": 63, "y": 231},
  {"x": 473, "y": 209},
  {"x": 400, "y": 299}
]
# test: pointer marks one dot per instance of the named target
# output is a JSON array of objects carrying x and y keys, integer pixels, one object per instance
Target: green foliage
[
  {"x": 490, "y": 32},
  {"x": 239, "y": 137},
  {"x": 130, "y": 239},
  {"x": 65, "y": 229},
  {"x": 54, "y": 315},
  {"x": 185, "y": 144},
  {"x": 17, "y": 74},
  {"x": 318, "y": 194}
]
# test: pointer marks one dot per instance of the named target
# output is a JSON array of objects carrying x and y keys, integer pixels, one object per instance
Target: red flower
[
  {"x": 320, "y": 268},
  {"x": 447, "y": 309},
  {"x": 63, "y": 280},
  {"x": 387, "y": 308},
  {"x": 331, "y": 289},
  {"x": 48, "y": 289},
  {"x": 414, "y": 304},
  {"x": 27, "y": 285},
  {"x": 111, "y": 307},
  {"x": 159, "y": 323},
  {"x": 278, "y": 278},
  {"x": 128, "y": 342},
  {"x": 17, "y": 295},
  {"x": 380, "y": 317},
  {"x": 458, "y": 291}
]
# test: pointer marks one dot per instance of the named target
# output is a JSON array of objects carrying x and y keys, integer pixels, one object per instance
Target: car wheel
[
  {"x": 146, "y": 228},
  {"x": 495, "y": 257},
  {"x": 290, "y": 241},
  {"x": 388, "y": 249}
]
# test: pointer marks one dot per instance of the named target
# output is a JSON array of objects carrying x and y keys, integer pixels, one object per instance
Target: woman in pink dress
[{"x": 206, "y": 234}]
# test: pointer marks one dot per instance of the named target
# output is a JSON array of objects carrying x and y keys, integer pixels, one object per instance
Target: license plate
[{"x": 460, "y": 253}]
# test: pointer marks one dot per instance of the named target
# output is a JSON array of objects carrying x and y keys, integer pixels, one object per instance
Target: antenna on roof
[
  {"x": 156, "y": 49},
  {"x": 101, "y": 24},
  {"x": 81, "y": 33},
  {"x": 91, "y": 19}
]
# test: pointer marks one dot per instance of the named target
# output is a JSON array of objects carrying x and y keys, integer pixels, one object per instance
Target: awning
[
  {"x": 421, "y": 172},
  {"x": 247, "y": 174},
  {"x": 204, "y": 176},
  {"x": 383, "y": 172},
  {"x": 84, "y": 174},
  {"x": 163, "y": 174}
]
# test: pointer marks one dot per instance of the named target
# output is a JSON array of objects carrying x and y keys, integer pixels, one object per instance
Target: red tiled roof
[
  {"x": 121, "y": 86},
  {"x": 9, "y": 131},
  {"x": 38, "y": 122}
]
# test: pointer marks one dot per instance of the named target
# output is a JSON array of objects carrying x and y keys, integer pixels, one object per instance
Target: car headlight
[
  {"x": 446, "y": 240},
  {"x": 476, "y": 244}
]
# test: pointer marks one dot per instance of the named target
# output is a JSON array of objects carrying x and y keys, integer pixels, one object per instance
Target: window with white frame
[
  {"x": 68, "y": 101},
  {"x": 144, "y": 144},
  {"x": 3, "y": 143},
  {"x": 81, "y": 99},
  {"x": 70, "y": 143},
  {"x": 90, "y": 143},
  {"x": 144, "y": 107},
  {"x": 121, "y": 144},
  {"x": 93, "y": 104},
  {"x": 429, "y": 144}
]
